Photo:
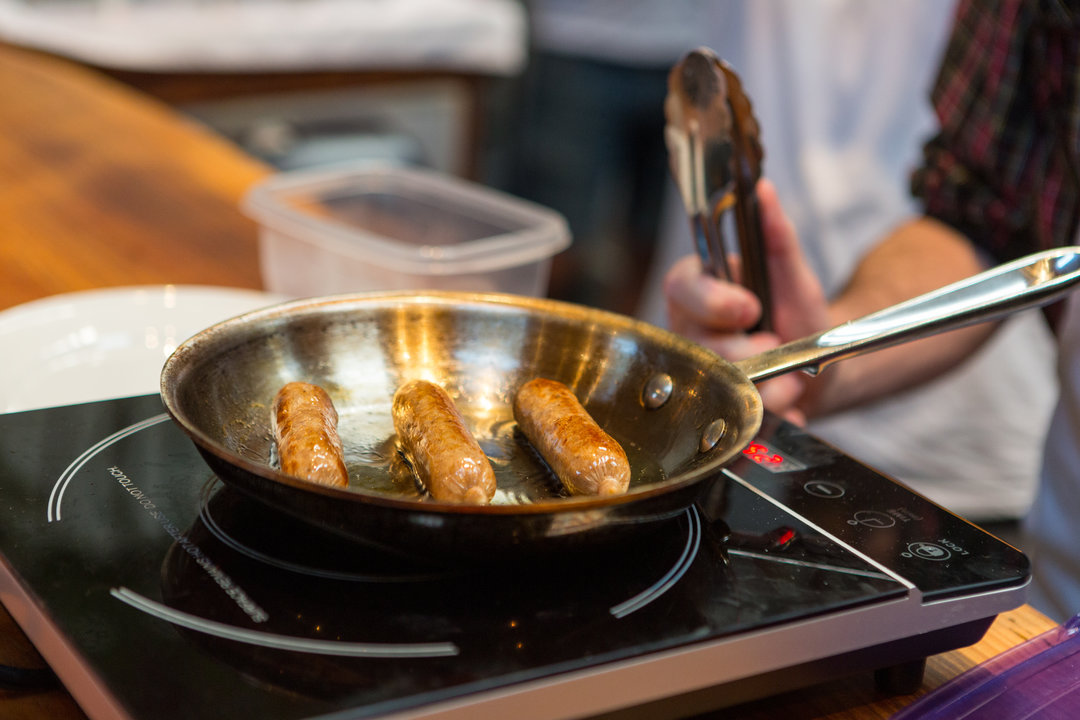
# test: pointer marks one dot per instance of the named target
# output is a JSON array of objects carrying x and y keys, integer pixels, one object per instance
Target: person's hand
[{"x": 718, "y": 314}]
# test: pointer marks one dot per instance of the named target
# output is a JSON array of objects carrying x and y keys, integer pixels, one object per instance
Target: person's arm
[{"x": 919, "y": 256}]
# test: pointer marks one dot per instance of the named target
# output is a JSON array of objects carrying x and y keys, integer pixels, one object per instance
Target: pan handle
[{"x": 1033, "y": 280}]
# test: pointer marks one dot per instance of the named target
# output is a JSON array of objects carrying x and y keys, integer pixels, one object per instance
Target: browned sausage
[
  {"x": 586, "y": 459},
  {"x": 444, "y": 454},
  {"x": 305, "y": 428}
]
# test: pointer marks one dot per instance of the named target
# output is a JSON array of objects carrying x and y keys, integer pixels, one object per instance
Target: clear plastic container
[
  {"x": 1038, "y": 679},
  {"x": 363, "y": 228}
]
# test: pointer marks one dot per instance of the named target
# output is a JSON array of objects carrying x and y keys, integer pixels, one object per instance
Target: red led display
[
  {"x": 762, "y": 454},
  {"x": 771, "y": 460}
]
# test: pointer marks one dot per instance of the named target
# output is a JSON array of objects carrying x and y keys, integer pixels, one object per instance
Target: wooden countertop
[{"x": 102, "y": 186}]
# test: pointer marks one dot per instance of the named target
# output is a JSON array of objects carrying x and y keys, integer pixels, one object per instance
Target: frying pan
[{"x": 680, "y": 411}]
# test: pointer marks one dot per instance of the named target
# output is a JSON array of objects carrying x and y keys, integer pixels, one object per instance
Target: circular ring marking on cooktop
[
  {"x": 281, "y": 642},
  {"x": 246, "y": 548},
  {"x": 672, "y": 577},
  {"x": 314, "y": 563},
  {"x": 56, "y": 497}
]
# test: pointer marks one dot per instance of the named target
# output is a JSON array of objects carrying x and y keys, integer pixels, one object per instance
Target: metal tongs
[{"x": 715, "y": 155}]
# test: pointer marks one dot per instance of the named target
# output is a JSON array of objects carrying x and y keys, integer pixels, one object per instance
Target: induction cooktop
[{"x": 154, "y": 590}]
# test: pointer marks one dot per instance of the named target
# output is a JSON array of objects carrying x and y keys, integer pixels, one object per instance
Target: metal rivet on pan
[
  {"x": 657, "y": 391},
  {"x": 713, "y": 432}
]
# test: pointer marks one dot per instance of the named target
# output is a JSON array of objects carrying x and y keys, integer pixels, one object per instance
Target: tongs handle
[
  {"x": 715, "y": 156},
  {"x": 747, "y": 160}
]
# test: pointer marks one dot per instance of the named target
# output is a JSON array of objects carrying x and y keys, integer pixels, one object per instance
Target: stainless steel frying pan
[{"x": 680, "y": 411}]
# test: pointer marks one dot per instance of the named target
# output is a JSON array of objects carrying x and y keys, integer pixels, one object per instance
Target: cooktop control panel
[{"x": 940, "y": 553}]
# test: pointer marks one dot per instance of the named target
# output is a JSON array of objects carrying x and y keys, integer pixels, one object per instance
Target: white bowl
[{"x": 100, "y": 344}]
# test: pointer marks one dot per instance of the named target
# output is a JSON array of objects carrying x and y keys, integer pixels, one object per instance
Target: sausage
[
  {"x": 444, "y": 454},
  {"x": 586, "y": 459},
  {"x": 305, "y": 429}
]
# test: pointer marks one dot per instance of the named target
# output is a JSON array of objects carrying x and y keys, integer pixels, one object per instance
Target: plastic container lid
[{"x": 1038, "y": 679}]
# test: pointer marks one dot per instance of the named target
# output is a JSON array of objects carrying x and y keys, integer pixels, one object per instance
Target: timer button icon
[{"x": 872, "y": 519}]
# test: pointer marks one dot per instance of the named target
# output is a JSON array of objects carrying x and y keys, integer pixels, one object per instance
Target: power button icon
[{"x": 823, "y": 489}]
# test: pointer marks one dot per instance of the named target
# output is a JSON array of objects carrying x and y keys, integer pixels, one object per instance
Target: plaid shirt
[{"x": 1005, "y": 168}]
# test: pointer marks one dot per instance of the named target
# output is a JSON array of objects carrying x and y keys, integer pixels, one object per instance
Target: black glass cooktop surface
[{"x": 188, "y": 599}]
